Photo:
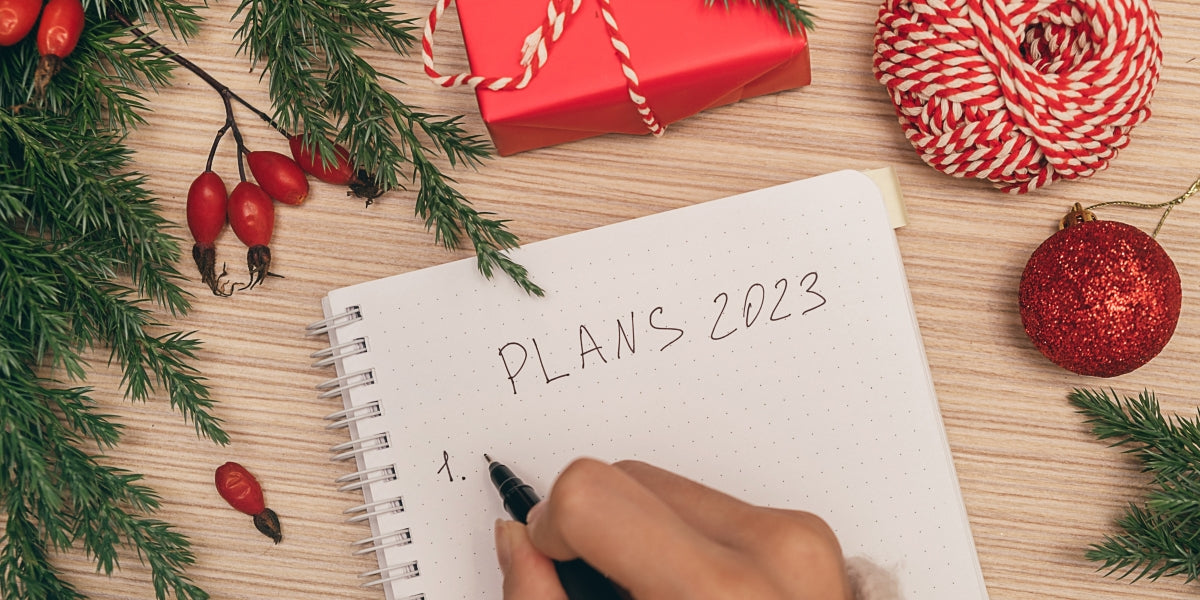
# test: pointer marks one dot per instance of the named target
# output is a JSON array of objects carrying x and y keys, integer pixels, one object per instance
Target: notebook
[{"x": 763, "y": 344}]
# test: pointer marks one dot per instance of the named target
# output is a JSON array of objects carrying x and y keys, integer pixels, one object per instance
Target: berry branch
[
  {"x": 249, "y": 209},
  {"x": 223, "y": 90},
  {"x": 320, "y": 85},
  {"x": 445, "y": 210}
]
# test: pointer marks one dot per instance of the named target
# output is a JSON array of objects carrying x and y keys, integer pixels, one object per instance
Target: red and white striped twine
[
  {"x": 536, "y": 50},
  {"x": 1019, "y": 93},
  {"x": 631, "y": 79}
]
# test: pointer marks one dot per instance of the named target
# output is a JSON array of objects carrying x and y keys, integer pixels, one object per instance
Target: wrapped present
[{"x": 553, "y": 71}]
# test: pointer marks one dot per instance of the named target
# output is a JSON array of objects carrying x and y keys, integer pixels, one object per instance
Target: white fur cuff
[{"x": 870, "y": 581}]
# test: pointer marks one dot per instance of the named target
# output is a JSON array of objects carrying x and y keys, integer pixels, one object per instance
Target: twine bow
[{"x": 535, "y": 52}]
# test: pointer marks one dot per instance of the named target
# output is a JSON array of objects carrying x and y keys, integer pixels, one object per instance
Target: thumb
[{"x": 528, "y": 574}]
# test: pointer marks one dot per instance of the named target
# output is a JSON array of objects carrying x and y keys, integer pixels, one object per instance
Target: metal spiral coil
[{"x": 357, "y": 447}]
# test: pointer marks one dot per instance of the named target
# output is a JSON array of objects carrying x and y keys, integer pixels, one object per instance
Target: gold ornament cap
[{"x": 1076, "y": 216}]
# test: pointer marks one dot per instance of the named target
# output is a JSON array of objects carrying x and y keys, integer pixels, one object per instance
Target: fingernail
[
  {"x": 504, "y": 543},
  {"x": 534, "y": 512}
]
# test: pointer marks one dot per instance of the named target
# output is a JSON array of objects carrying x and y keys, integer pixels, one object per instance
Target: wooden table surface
[{"x": 1038, "y": 488}]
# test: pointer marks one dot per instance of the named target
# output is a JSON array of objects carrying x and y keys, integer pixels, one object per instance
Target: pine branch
[
  {"x": 181, "y": 20},
  {"x": 790, "y": 12},
  {"x": 322, "y": 88},
  {"x": 1167, "y": 447},
  {"x": 57, "y": 495},
  {"x": 1148, "y": 549},
  {"x": 25, "y": 569},
  {"x": 487, "y": 235},
  {"x": 128, "y": 68},
  {"x": 86, "y": 264},
  {"x": 1161, "y": 538}
]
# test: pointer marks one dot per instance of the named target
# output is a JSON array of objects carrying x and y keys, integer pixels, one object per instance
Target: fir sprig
[
  {"x": 86, "y": 262},
  {"x": 790, "y": 12},
  {"x": 1161, "y": 538},
  {"x": 320, "y": 84}
]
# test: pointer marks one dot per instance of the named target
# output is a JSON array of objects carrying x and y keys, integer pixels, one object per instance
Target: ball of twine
[{"x": 1019, "y": 93}]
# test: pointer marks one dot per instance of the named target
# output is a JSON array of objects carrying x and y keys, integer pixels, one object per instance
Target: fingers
[
  {"x": 712, "y": 513},
  {"x": 795, "y": 549},
  {"x": 625, "y": 531},
  {"x": 720, "y": 516},
  {"x": 528, "y": 574},
  {"x": 662, "y": 536}
]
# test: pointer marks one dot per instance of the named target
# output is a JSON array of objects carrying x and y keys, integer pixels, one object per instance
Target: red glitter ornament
[{"x": 1099, "y": 298}]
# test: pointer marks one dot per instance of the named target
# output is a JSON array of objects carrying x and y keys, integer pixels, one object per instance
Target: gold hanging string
[{"x": 1168, "y": 205}]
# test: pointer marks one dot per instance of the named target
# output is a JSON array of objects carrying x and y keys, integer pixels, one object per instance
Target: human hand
[{"x": 661, "y": 536}]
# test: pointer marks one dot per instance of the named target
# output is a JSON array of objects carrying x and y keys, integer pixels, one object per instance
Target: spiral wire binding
[
  {"x": 351, "y": 315},
  {"x": 374, "y": 509},
  {"x": 357, "y": 447},
  {"x": 402, "y": 537},
  {"x": 343, "y": 418},
  {"x": 359, "y": 479},
  {"x": 337, "y": 385},
  {"x": 333, "y": 354},
  {"x": 405, "y": 570}
]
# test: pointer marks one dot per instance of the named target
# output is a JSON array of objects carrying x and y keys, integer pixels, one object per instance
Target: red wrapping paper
[{"x": 689, "y": 57}]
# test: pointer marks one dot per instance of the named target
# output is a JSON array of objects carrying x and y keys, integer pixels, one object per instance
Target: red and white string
[
  {"x": 1019, "y": 93},
  {"x": 535, "y": 52},
  {"x": 631, "y": 79}
]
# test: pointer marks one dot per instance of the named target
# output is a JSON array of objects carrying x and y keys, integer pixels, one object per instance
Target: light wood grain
[{"x": 1037, "y": 487}]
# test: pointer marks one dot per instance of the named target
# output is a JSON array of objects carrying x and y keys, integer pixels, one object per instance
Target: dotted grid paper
[{"x": 763, "y": 344}]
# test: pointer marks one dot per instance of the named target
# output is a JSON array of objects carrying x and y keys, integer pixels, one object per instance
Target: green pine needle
[
  {"x": 790, "y": 12},
  {"x": 1161, "y": 538},
  {"x": 86, "y": 262},
  {"x": 320, "y": 84}
]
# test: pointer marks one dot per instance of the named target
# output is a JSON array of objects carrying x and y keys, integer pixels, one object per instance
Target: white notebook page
[{"x": 764, "y": 344}]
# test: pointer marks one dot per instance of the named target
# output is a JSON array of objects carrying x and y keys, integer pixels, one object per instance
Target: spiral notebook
[{"x": 764, "y": 344}]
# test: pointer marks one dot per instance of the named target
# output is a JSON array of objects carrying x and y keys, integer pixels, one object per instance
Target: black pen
[{"x": 579, "y": 579}]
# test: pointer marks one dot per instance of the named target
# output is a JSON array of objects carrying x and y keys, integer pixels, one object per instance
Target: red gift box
[{"x": 688, "y": 56}]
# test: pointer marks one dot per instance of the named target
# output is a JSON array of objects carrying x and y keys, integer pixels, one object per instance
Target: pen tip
[{"x": 487, "y": 458}]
